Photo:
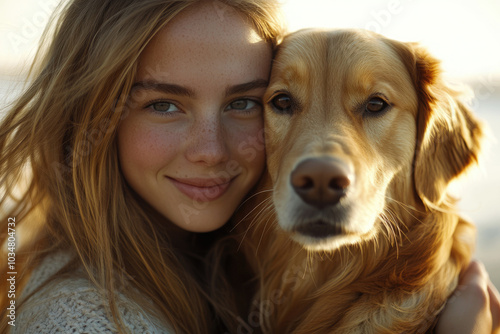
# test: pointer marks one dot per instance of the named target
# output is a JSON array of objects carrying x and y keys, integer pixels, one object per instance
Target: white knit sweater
[{"x": 73, "y": 305}]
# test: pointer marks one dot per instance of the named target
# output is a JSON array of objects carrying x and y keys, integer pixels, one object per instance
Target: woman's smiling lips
[{"x": 200, "y": 189}]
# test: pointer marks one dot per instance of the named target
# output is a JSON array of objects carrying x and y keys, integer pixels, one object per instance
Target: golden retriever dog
[{"x": 358, "y": 234}]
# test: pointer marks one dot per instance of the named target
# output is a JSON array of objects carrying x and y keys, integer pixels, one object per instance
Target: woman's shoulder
[{"x": 72, "y": 304}]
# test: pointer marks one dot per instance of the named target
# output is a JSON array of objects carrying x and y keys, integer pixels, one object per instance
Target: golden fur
[{"x": 400, "y": 245}]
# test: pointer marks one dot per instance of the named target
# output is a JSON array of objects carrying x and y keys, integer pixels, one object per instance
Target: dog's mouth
[
  {"x": 329, "y": 228},
  {"x": 327, "y": 235},
  {"x": 321, "y": 188},
  {"x": 319, "y": 229},
  {"x": 321, "y": 209}
]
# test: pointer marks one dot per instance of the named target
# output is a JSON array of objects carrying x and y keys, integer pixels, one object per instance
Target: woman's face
[{"x": 192, "y": 143}]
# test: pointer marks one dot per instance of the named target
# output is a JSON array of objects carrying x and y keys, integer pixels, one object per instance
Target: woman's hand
[{"x": 474, "y": 308}]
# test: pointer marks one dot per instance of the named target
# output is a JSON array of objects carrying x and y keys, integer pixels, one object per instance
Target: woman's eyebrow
[
  {"x": 180, "y": 90},
  {"x": 247, "y": 86},
  {"x": 163, "y": 87}
]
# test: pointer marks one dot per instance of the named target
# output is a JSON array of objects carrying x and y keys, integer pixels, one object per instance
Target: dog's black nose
[{"x": 321, "y": 182}]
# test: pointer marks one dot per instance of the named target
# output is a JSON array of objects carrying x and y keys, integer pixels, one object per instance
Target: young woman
[
  {"x": 134, "y": 133},
  {"x": 124, "y": 159}
]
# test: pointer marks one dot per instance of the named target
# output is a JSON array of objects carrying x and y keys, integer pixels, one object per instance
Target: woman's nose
[{"x": 207, "y": 143}]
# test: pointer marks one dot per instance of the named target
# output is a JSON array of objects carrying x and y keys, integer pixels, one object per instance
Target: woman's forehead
[
  {"x": 202, "y": 43},
  {"x": 209, "y": 22}
]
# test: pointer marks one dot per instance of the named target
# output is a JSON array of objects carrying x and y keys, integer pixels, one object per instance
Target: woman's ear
[{"x": 448, "y": 134}]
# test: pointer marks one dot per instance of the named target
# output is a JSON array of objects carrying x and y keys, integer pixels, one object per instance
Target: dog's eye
[
  {"x": 376, "y": 105},
  {"x": 282, "y": 103}
]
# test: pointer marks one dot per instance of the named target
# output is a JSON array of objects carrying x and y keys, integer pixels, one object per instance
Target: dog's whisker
[
  {"x": 251, "y": 212},
  {"x": 392, "y": 223},
  {"x": 407, "y": 206},
  {"x": 262, "y": 206},
  {"x": 445, "y": 207},
  {"x": 404, "y": 206},
  {"x": 388, "y": 219},
  {"x": 390, "y": 232},
  {"x": 398, "y": 226},
  {"x": 376, "y": 245},
  {"x": 343, "y": 256},
  {"x": 397, "y": 218},
  {"x": 264, "y": 230},
  {"x": 253, "y": 195},
  {"x": 310, "y": 261},
  {"x": 409, "y": 209},
  {"x": 266, "y": 207}
]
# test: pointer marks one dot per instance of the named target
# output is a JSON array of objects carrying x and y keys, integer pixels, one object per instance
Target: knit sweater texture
[{"x": 74, "y": 305}]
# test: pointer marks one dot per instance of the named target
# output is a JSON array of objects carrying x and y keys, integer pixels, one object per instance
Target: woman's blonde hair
[{"x": 58, "y": 140}]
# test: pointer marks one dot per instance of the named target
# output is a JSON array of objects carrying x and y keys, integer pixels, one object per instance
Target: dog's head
[{"x": 355, "y": 121}]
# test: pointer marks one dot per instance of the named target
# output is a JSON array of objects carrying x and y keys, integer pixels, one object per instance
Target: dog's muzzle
[{"x": 321, "y": 183}]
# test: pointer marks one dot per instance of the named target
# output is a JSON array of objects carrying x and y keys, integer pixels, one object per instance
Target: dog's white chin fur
[
  {"x": 325, "y": 244},
  {"x": 332, "y": 243},
  {"x": 359, "y": 224}
]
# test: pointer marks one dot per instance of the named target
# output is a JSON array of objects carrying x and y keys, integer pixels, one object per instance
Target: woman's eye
[
  {"x": 243, "y": 104},
  {"x": 163, "y": 107},
  {"x": 282, "y": 103},
  {"x": 376, "y": 105}
]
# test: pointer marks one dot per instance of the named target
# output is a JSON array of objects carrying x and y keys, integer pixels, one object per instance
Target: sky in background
[{"x": 465, "y": 34}]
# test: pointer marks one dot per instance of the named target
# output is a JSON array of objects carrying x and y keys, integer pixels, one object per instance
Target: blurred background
[{"x": 464, "y": 34}]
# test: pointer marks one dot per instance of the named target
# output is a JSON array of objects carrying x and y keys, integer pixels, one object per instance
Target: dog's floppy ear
[{"x": 448, "y": 134}]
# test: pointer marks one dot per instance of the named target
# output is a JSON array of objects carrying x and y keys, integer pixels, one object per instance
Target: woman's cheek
[
  {"x": 250, "y": 143},
  {"x": 145, "y": 148}
]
